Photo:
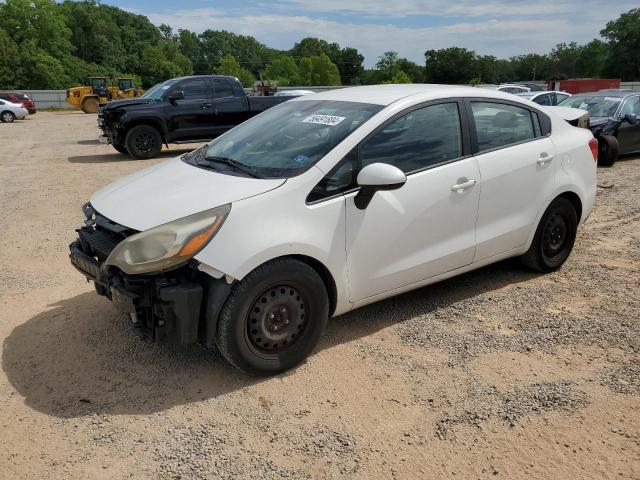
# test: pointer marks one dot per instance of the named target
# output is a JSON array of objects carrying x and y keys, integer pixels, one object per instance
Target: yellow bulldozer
[{"x": 97, "y": 90}]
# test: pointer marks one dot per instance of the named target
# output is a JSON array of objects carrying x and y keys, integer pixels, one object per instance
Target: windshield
[
  {"x": 285, "y": 140},
  {"x": 596, "y": 105},
  {"x": 157, "y": 91}
]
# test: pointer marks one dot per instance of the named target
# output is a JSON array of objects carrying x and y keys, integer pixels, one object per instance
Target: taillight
[{"x": 593, "y": 145}]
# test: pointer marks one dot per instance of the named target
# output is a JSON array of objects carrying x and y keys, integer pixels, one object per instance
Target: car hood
[
  {"x": 112, "y": 105},
  {"x": 597, "y": 121},
  {"x": 172, "y": 190}
]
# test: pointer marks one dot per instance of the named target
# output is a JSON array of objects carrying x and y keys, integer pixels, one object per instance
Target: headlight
[{"x": 169, "y": 245}]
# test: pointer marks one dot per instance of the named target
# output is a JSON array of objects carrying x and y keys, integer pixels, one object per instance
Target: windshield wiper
[{"x": 232, "y": 163}]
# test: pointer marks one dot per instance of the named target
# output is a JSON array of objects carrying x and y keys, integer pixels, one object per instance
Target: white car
[
  {"x": 329, "y": 202},
  {"x": 9, "y": 112},
  {"x": 551, "y": 98}
]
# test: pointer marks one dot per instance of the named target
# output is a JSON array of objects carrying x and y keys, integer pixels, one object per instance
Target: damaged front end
[{"x": 170, "y": 305}]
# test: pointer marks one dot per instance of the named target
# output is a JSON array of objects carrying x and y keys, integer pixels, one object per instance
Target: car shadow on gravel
[
  {"x": 82, "y": 357},
  {"x": 119, "y": 157}
]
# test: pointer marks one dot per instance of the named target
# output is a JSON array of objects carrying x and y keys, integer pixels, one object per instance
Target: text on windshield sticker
[{"x": 331, "y": 120}]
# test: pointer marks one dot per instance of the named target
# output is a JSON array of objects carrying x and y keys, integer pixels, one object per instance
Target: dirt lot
[{"x": 496, "y": 374}]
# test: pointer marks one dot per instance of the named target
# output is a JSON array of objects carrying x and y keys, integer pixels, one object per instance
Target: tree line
[{"x": 45, "y": 44}]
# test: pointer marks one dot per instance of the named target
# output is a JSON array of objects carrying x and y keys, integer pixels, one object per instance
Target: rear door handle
[
  {"x": 205, "y": 105},
  {"x": 544, "y": 158},
  {"x": 464, "y": 184}
]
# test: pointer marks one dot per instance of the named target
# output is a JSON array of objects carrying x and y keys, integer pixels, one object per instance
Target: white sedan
[
  {"x": 333, "y": 201},
  {"x": 9, "y": 112}
]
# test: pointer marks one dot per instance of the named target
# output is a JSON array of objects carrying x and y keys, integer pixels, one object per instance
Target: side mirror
[
  {"x": 374, "y": 177},
  {"x": 175, "y": 95},
  {"x": 631, "y": 118}
]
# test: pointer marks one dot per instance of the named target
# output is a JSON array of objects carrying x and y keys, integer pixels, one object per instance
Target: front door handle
[
  {"x": 205, "y": 105},
  {"x": 544, "y": 159},
  {"x": 463, "y": 184}
]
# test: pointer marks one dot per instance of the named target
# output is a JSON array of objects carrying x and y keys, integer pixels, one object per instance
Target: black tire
[
  {"x": 121, "y": 148},
  {"x": 90, "y": 105},
  {"x": 554, "y": 238},
  {"x": 608, "y": 148},
  {"x": 287, "y": 294},
  {"x": 143, "y": 142},
  {"x": 7, "y": 117}
]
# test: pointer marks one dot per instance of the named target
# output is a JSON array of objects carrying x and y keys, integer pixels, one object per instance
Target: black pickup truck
[{"x": 179, "y": 110}]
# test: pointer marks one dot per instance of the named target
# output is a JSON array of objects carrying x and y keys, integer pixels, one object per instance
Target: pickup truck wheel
[
  {"x": 554, "y": 238},
  {"x": 120, "y": 147},
  {"x": 607, "y": 150},
  {"x": 7, "y": 117},
  {"x": 143, "y": 142},
  {"x": 273, "y": 318},
  {"x": 90, "y": 105}
]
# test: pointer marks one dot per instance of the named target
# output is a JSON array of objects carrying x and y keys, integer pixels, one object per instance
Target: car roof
[{"x": 390, "y": 93}]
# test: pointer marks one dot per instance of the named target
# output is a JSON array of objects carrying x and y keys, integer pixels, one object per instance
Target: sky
[{"x": 410, "y": 27}]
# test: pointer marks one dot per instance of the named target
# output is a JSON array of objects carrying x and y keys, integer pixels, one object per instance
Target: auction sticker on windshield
[{"x": 331, "y": 120}]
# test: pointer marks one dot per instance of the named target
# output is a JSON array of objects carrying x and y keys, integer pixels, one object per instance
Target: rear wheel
[
  {"x": 90, "y": 105},
  {"x": 273, "y": 318},
  {"x": 7, "y": 117},
  {"x": 554, "y": 238},
  {"x": 143, "y": 141},
  {"x": 607, "y": 150}
]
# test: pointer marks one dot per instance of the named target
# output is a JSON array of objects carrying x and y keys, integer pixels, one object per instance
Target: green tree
[
  {"x": 347, "y": 60},
  {"x": 10, "y": 64},
  {"x": 450, "y": 65},
  {"x": 283, "y": 70},
  {"x": 623, "y": 35},
  {"x": 230, "y": 66},
  {"x": 592, "y": 59},
  {"x": 318, "y": 70}
]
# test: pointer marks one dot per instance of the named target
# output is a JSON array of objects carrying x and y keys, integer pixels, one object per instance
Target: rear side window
[
  {"x": 544, "y": 99},
  {"x": 222, "y": 88},
  {"x": 499, "y": 125},
  {"x": 422, "y": 138}
]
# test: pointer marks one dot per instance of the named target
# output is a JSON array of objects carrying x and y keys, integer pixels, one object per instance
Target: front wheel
[
  {"x": 143, "y": 142},
  {"x": 554, "y": 238},
  {"x": 8, "y": 117},
  {"x": 607, "y": 150},
  {"x": 120, "y": 147},
  {"x": 90, "y": 105},
  {"x": 273, "y": 318}
]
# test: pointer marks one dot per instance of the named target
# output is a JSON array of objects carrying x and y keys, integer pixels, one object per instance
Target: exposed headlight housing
[{"x": 167, "y": 246}]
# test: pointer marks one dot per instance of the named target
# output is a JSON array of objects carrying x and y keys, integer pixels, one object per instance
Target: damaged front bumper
[{"x": 167, "y": 306}]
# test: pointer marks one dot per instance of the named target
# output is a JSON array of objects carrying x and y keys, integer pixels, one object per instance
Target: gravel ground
[{"x": 499, "y": 373}]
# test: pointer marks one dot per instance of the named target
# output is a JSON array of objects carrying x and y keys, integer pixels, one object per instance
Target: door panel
[
  {"x": 515, "y": 180},
  {"x": 229, "y": 109},
  {"x": 191, "y": 117},
  {"x": 419, "y": 231},
  {"x": 629, "y": 135},
  {"x": 517, "y": 167}
]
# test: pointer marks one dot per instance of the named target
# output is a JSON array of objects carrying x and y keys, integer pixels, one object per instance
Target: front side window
[
  {"x": 422, "y": 138},
  {"x": 631, "y": 105},
  {"x": 560, "y": 97},
  {"x": 284, "y": 140},
  {"x": 499, "y": 125},
  {"x": 194, "y": 89}
]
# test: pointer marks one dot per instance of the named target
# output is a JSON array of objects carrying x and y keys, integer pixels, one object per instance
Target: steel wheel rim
[
  {"x": 554, "y": 236},
  {"x": 276, "y": 320}
]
